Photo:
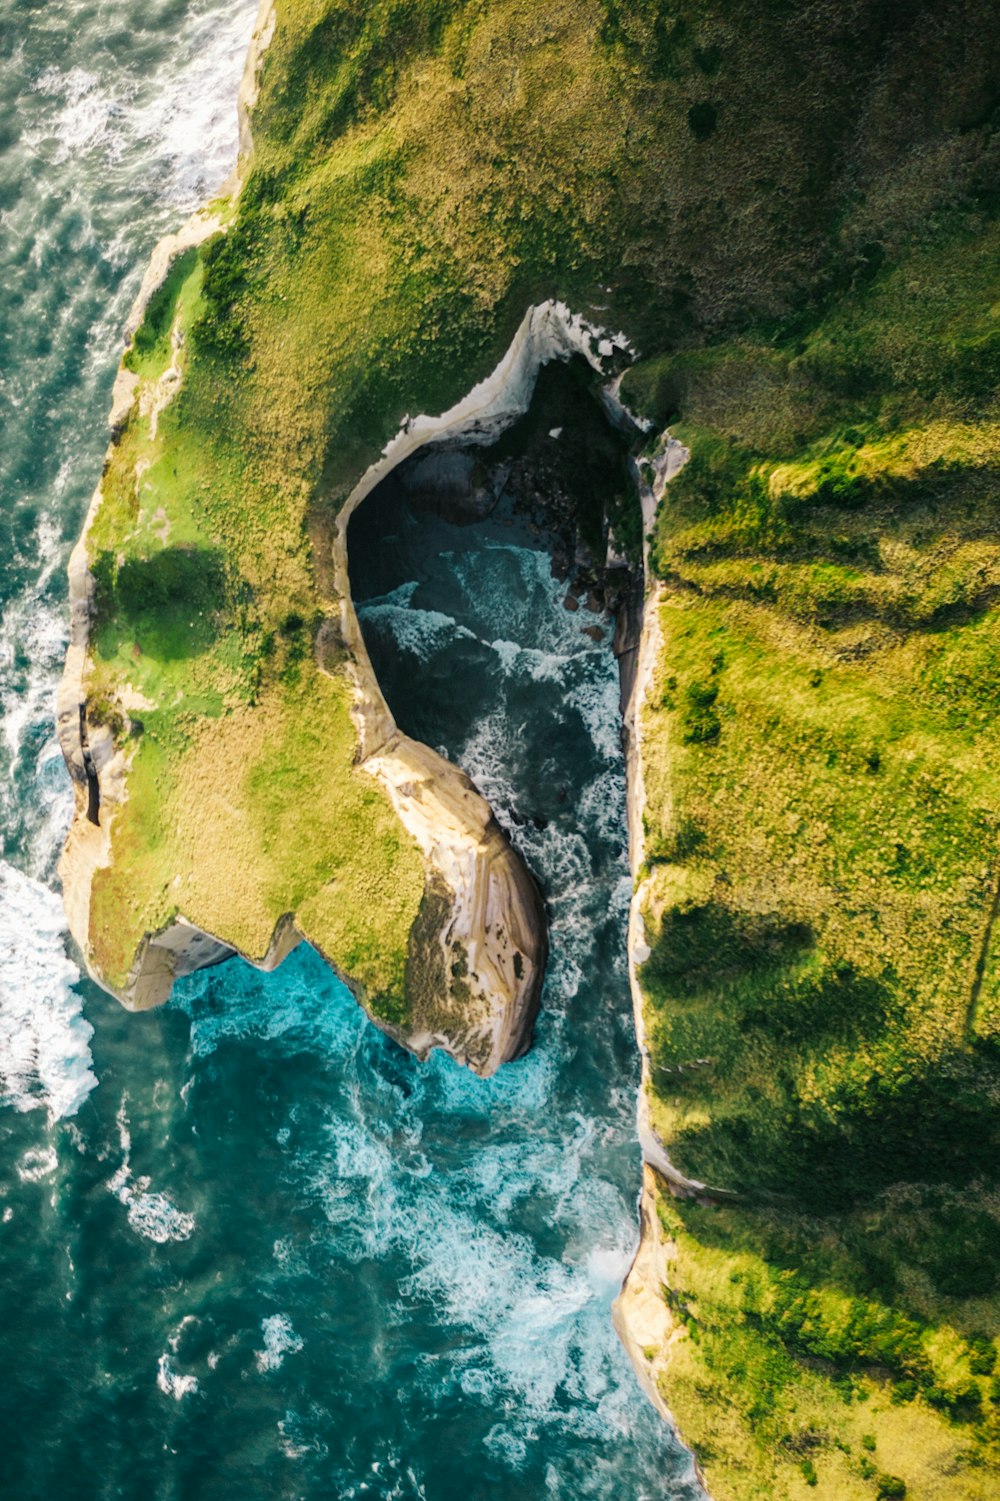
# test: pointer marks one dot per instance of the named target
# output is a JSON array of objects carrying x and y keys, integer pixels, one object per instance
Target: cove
[{"x": 480, "y": 583}]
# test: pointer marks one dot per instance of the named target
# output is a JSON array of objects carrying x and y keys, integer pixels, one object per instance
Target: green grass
[
  {"x": 793, "y": 1372},
  {"x": 149, "y": 353},
  {"x": 823, "y": 846},
  {"x": 244, "y": 802}
]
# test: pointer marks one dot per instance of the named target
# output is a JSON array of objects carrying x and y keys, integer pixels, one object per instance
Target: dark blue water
[{"x": 247, "y": 1246}]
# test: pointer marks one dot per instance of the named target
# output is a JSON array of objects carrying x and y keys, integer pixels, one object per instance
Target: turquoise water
[{"x": 247, "y": 1246}]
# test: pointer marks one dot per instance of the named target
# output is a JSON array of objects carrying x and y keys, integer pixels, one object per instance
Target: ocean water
[{"x": 247, "y": 1246}]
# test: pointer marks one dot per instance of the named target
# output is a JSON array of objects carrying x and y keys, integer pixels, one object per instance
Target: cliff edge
[{"x": 792, "y": 213}]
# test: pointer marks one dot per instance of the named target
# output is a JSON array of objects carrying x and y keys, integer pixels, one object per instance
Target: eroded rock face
[
  {"x": 445, "y": 482},
  {"x": 477, "y": 951},
  {"x": 641, "y": 1318}
]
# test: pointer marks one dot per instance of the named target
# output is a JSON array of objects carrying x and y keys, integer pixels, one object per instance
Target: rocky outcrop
[
  {"x": 477, "y": 951},
  {"x": 447, "y": 483},
  {"x": 644, "y": 1323}
]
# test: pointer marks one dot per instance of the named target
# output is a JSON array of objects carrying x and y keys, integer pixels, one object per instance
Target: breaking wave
[
  {"x": 280, "y": 1340},
  {"x": 45, "y": 1060},
  {"x": 151, "y": 1215},
  {"x": 176, "y": 127},
  {"x": 171, "y": 1382}
]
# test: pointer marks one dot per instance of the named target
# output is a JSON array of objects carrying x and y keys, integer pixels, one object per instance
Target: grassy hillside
[
  {"x": 424, "y": 169},
  {"x": 823, "y": 833},
  {"x": 788, "y": 209}
]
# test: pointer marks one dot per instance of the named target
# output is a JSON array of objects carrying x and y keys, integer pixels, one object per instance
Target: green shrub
[
  {"x": 152, "y": 335},
  {"x": 101, "y": 711},
  {"x": 702, "y": 120},
  {"x": 700, "y": 722},
  {"x": 227, "y": 259}
]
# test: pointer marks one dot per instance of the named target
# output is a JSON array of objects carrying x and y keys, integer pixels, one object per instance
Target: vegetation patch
[{"x": 822, "y": 837}]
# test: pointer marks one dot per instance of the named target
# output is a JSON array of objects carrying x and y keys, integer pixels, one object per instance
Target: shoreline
[
  {"x": 99, "y": 772},
  {"x": 641, "y": 1317}
]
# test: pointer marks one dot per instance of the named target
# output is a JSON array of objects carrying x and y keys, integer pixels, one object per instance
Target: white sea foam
[
  {"x": 33, "y": 640},
  {"x": 510, "y": 594},
  {"x": 37, "y": 1164},
  {"x": 506, "y": 1447},
  {"x": 171, "y": 1382},
  {"x": 606, "y": 1268},
  {"x": 81, "y": 119},
  {"x": 534, "y": 1327},
  {"x": 601, "y": 804},
  {"x": 189, "y": 1321},
  {"x": 151, "y": 1215},
  {"x": 154, "y": 1216},
  {"x": 280, "y": 1340},
  {"x": 45, "y": 1060},
  {"x": 180, "y": 124},
  {"x": 596, "y": 702},
  {"x": 295, "y": 1438},
  {"x": 53, "y": 808},
  {"x": 418, "y": 632}
]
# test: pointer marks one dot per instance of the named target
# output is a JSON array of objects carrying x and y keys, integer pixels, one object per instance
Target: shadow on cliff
[
  {"x": 167, "y": 604},
  {"x": 793, "y": 1073}
]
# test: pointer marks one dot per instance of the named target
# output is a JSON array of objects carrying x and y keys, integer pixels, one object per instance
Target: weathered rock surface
[
  {"x": 446, "y": 484},
  {"x": 642, "y": 1319},
  {"x": 477, "y": 951},
  {"x": 641, "y": 1316}
]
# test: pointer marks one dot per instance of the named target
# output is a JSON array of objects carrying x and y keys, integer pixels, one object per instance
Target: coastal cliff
[
  {"x": 476, "y": 949},
  {"x": 812, "y": 929},
  {"x": 809, "y": 274}
]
